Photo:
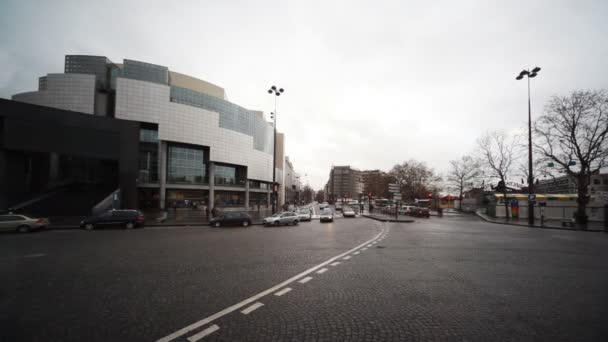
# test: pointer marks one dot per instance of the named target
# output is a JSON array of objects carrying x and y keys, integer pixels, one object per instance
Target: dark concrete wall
[{"x": 32, "y": 128}]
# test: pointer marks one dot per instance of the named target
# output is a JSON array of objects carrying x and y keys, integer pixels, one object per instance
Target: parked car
[
  {"x": 231, "y": 218},
  {"x": 277, "y": 219},
  {"x": 327, "y": 216},
  {"x": 348, "y": 212},
  {"x": 407, "y": 209},
  {"x": 421, "y": 212},
  {"x": 127, "y": 218},
  {"x": 338, "y": 207},
  {"x": 305, "y": 214},
  {"x": 21, "y": 223}
]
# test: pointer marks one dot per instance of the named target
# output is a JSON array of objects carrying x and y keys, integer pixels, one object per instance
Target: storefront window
[
  {"x": 229, "y": 198},
  {"x": 226, "y": 175},
  {"x": 148, "y": 156}
]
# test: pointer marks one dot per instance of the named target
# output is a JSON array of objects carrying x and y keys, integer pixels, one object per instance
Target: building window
[
  {"x": 225, "y": 175},
  {"x": 186, "y": 165},
  {"x": 148, "y": 156}
]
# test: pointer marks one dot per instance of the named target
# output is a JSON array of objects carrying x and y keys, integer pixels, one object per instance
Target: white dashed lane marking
[
  {"x": 251, "y": 308},
  {"x": 254, "y": 298},
  {"x": 283, "y": 291},
  {"x": 35, "y": 255},
  {"x": 335, "y": 263},
  {"x": 364, "y": 249},
  {"x": 346, "y": 257},
  {"x": 357, "y": 252},
  {"x": 369, "y": 245},
  {"x": 305, "y": 280},
  {"x": 321, "y": 271},
  {"x": 203, "y": 333}
]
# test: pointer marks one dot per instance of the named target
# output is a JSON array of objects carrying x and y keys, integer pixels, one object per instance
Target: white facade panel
[
  {"x": 75, "y": 92},
  {"x": 150, "y": 102}
]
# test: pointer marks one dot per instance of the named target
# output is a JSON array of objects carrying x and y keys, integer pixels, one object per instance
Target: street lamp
[
  {"x": 530, "y": 74},
  {"x": 273, "y": 115}
]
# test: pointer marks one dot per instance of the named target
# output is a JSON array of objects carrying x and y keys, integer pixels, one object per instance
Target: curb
[
  {"x": 535, "y": 226},
  {"x": 388, "y": 220}
]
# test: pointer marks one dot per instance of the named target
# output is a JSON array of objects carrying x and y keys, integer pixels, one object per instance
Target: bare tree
[
  {"x": 573, "y": 133},
  {"x": 320, "y": 196},
  {"x": 415, "y": 178},
  {"x": 307, "y": 194},
  {"x": 461, "y": 174},
  {"x": 497, "y": 158}
]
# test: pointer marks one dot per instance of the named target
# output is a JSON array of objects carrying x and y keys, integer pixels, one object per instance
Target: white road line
[
  {"x": 321, "y": 271},
  {"x": 364, "y": 249},
  {"x": 369, "y": 245},
  {"x": 346, "y": 257},
  {"x": 35, "y": 255},
  {"x": 357, "y": 252},
  {"x": 203, "y": 333},
  {"x": 283, "y": 291},
  {"x": 248, "y": 310},
  {"x": 253, "y": 298},
  {"x": 305, "y": 280},
  {"x": 335, "y": 263}
]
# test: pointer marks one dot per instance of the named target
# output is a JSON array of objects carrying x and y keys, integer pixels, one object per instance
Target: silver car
[
  {"x": 278, "y": 219},
  {"x": 327, "y": 216},
  {"x": 348, "y": 212},
  {"x": 305, "y": 214},
  {"x": 21, "y": 223}
]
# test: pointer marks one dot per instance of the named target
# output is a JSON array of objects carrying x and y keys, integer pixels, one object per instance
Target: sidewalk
[{"x": 548, "y": 224}]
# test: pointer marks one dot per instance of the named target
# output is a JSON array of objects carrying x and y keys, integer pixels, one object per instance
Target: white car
[
  {"x": 21, "y": 223},
  {"x": 348, "y": 212},
  {"x": 326, "y": 216}
]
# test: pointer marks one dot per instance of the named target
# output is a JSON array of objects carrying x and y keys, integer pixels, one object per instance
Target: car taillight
[
  {"x": 40, "y": 220},
  {"x": 140, "y": 218},
  {"x": 420, "y": 212}
]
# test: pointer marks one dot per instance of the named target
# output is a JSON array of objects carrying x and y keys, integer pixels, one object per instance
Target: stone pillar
[
  {"x": 269, "y": 203},
  {"x": 247, "y": 194},
  {"x": 53, "y": 167},
  {"x": 211, "y": 185},
  {"x": 162, "y": 173}
]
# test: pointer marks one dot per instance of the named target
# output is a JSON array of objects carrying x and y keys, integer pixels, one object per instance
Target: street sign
[
  {"x": 532, "y": 197},
  {"x": 397, "y": 197}
]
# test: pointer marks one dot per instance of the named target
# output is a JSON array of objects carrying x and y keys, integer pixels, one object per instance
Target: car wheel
[
  {"x": 296, "y": 222},
  {"x": 276, "y": 223},
  {"x": 89, "y": 226},
  {"x": 217, "y": 224},
  {"x": 245, "y": 223},
  {"x": 23, "y": 229},
  {"x": 130, "y": 225}
]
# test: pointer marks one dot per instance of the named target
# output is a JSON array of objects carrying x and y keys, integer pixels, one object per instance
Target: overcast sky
[{"x": 368, "y": 83}]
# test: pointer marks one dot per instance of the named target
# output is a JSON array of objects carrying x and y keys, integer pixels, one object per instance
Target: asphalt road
[{"x": 450, "y": 278}]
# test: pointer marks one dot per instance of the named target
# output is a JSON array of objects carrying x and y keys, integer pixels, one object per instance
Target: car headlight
[{"x": 81, "y": 222}]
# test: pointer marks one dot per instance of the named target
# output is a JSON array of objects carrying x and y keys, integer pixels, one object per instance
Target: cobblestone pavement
[{"x": 450, "y": 278}]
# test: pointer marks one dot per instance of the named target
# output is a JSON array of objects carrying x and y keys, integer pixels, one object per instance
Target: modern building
[
  {"x": 292, "y": 183},
  {"x": 558, "y": 185},
  {"x": 375, "y": 183},
  {"x": 193, "y": 145},
  {"x": 344, "y": 183}
]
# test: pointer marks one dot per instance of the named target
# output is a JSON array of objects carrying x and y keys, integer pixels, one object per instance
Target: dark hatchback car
[
  {"x": 420, "y": 212},
  {"x": 231, "y": 218},
  {"x": 128, "y": 219}
]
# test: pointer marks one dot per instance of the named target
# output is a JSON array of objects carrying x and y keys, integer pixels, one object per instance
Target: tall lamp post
[
  {"x": 273, "y": 115},
  {"x": 529, "y": 74}
]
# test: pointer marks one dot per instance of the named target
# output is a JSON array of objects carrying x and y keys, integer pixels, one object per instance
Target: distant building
[
  {"x": 344, "y": 182},
  {"x": 292, "y": 183},
  {"x": 375, "y": 183},
  {"x": 567, "y": 185}
]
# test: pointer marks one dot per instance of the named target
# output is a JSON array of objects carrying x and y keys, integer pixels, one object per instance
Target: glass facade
[
  {"x": 91, "y": 65},
  {"x": 186, "y": 165},
  {"x": 229, "y": 199},
  {"x": 232, "y": 116},
  {"x": 148, "y": 156},
  {"x": 145, "y": 72}
]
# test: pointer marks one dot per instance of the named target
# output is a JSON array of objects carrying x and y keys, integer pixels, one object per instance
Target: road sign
[
  {"x": 397, "y": 197},
  {"x": 532, "y": 197}
]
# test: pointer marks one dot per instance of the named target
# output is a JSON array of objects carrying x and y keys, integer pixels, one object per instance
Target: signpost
[{"x": 395, "y": 189}]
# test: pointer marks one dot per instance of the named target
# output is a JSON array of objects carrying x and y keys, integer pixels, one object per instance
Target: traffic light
[{"x": 430, "y": 195}]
